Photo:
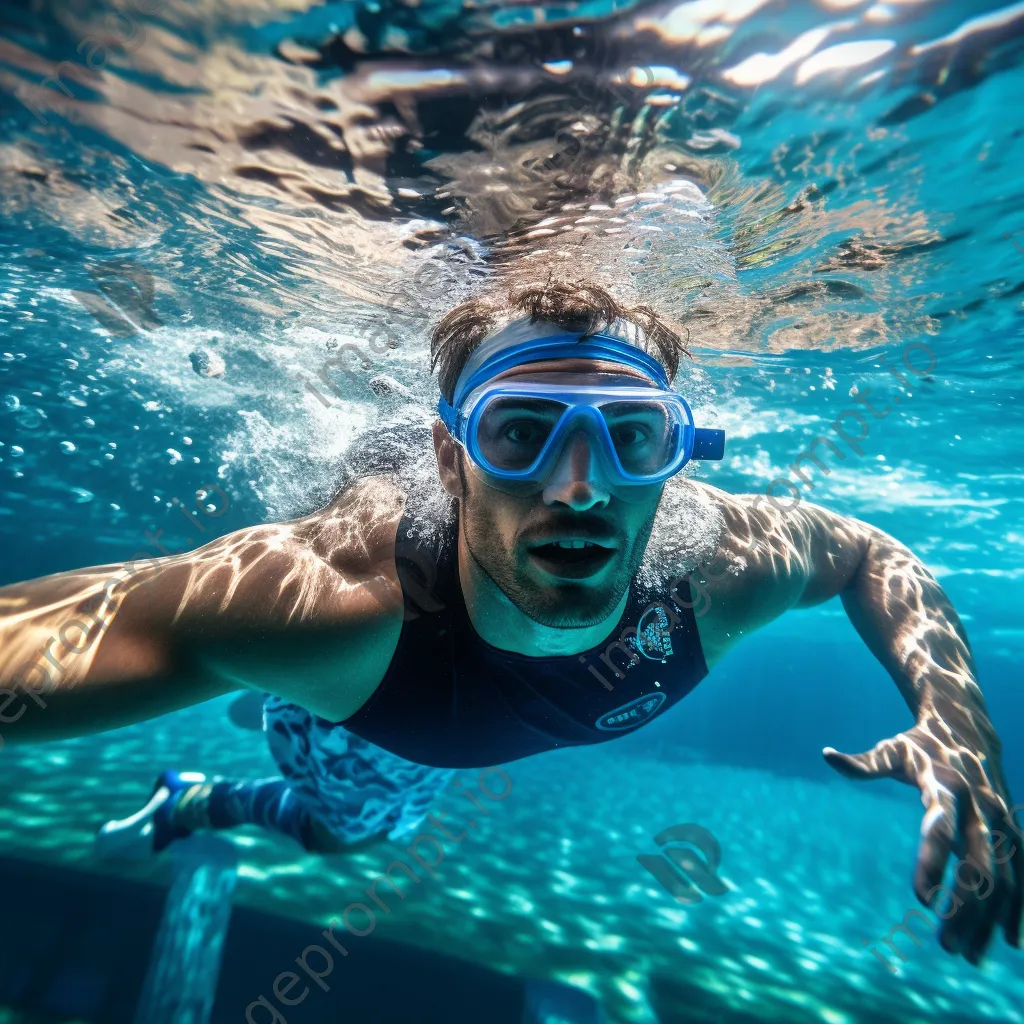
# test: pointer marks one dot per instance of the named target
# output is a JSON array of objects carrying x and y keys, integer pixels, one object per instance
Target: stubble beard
[{"x": 562, "y": 605}]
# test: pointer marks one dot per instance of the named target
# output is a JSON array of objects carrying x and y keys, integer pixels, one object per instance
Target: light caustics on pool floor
[{"x": 548, "y": 884}]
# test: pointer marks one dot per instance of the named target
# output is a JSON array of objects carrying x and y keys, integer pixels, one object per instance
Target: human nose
[{"x": 577, "y": 479}]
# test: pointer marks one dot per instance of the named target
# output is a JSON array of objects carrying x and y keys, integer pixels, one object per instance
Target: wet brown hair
[{"x": 576, "y": 307}]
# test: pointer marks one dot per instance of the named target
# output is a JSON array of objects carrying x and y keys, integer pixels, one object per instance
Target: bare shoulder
[
  {"x": 336, "y": 562},
  {"x": 759, "y": 538},
  {"x": 355, "y": 533},
  {"x": 310, "y": 609},
  {"x": 770, "y": 559}
]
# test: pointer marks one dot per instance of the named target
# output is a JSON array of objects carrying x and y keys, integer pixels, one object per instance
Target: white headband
[{"x": 523, "y": 329}]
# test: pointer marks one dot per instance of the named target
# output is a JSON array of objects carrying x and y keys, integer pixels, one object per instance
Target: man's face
[{"x": 564, "y": 554}]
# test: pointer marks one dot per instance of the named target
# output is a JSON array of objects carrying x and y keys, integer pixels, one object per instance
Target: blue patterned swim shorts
[{"x": 354, "y": 788}]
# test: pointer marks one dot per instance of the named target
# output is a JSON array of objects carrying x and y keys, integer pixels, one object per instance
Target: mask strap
[{"x": 566, "y": 346}]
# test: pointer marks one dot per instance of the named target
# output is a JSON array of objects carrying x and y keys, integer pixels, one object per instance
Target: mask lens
[
  {"x": 513, "y": 430},
  {"x": 645, "y": 435}
]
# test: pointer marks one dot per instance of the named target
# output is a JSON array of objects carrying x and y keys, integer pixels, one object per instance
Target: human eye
[
  {"x": 521, "y": 431},
  {"x": 630, "y": 433},
  {"x": 512, "y": 430}
]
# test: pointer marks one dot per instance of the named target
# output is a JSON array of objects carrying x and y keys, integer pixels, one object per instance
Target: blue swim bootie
[{"x": 152, "y": 828}]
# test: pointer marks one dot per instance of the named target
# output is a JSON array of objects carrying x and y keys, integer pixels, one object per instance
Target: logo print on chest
[
  {"x": 654, "y": 634},
  {"x": 630, "y": 715}
]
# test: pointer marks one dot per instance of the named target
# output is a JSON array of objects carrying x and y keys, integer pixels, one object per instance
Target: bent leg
[
  {"x": 336, "y": 792},
  {"x": 183, "y": 803},
  {"x": 227, "y": 803}
]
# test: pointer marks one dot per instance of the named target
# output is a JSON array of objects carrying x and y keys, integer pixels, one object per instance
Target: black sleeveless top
[{"x": 451, "y": 700}]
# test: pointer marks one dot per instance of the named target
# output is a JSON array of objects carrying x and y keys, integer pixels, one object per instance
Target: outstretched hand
[{"x": 968, "y": 813}]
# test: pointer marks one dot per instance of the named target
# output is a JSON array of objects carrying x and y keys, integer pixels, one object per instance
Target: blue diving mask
[{"x": 515, "y": 431}]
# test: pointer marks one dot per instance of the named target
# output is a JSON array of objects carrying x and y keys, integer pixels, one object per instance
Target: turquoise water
[{"x": 192, "y": 237}]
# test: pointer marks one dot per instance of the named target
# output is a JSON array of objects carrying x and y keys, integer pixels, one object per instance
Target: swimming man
[{"x": 562, "y": 586}]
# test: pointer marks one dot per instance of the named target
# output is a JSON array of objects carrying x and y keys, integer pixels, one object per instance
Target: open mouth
[{"x": 572, "y": 558}]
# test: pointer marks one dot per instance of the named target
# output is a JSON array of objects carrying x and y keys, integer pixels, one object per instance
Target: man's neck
[{"x": 501, "y": 624}]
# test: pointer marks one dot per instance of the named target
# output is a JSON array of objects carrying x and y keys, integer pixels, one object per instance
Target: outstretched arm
[
  {"x": 952, "y": 754},
  {"x": 304, "y": 610},
  {"x": 808, "y": 555}
]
